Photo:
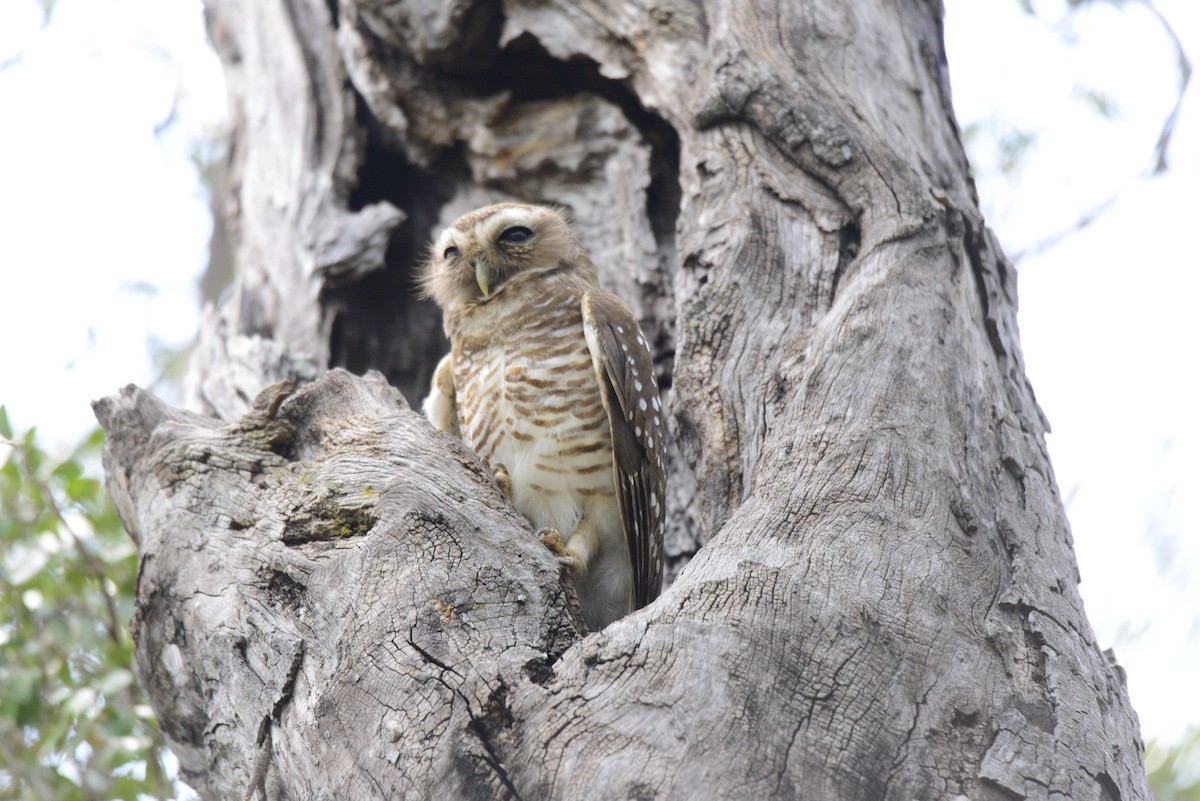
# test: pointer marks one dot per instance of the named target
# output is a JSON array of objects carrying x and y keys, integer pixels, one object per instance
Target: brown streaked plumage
[{"x": 549, "y": 376}]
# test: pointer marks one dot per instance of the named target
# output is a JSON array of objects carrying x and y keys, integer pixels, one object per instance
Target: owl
[{"x": 550, "y": 380}]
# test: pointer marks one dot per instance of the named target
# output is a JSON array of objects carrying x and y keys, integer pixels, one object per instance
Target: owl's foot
[
  {"x": 553, "y": 540},
  {"x": 502, "y": 478}
]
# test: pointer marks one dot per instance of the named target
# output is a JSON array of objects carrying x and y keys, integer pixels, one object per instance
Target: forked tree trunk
[{"x": 336, "y": 602}]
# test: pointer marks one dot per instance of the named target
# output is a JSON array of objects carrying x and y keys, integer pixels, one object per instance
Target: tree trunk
[{"x": 336, "y": 602}]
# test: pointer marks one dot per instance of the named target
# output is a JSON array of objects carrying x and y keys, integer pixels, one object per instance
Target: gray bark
[{"x": 885, "y": 603}]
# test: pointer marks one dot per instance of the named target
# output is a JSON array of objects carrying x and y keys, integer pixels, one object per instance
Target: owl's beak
[{"x": 483, "y": 277}]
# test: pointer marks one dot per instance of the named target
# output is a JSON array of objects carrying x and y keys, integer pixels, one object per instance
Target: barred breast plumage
[{"x": 531, "y": 403}]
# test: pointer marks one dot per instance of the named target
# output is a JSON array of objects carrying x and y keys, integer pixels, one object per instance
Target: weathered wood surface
[
  {"x": 885, "y": 605},
  {"x": 333, "y": 563}
]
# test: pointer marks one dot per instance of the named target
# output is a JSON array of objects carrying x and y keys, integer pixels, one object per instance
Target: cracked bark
[{"x": 885, "y": 603}]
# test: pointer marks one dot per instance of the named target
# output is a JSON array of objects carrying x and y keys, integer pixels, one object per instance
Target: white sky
[
  {"x": 103, "y": 225},
  {"x": 1108, "y": 318},
  {"x": 104, "y": 229}
]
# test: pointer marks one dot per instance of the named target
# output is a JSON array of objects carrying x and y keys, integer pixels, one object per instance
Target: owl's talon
[
  {"x": 553, "y": 541},
  {"x": 502, "y": 478}
]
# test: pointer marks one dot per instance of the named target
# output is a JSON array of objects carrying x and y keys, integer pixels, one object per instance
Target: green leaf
[
  {"x": 59, "y": 695},
  {"x": 20, "y": 685},
  {"x": 82, "y": 489},
  {"x": 81, "y": 701},
  {"x": 122, "y": 549},
  {"x": 5, "y": 426},
  {"x": 67, "y": 471},
  {"x": 92, "y": 443},
  {"x": 29, "y": 711},
  {"x": 114, "y": 681},
  {"x": 23, "y": 562},
  {"x": 33, "y": 455}
]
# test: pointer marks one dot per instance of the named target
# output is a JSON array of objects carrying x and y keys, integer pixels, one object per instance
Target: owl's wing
[
  {"x": 440, "y": 406},
  {"x": 625, "y": 370}
]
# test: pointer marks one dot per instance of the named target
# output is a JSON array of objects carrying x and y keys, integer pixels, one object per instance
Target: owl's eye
[
  {"x": 518, "y": 233},
  {"x": 450, "y": 252}
]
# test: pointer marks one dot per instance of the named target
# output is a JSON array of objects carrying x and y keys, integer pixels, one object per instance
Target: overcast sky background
[{"x": 104, "y": 229}]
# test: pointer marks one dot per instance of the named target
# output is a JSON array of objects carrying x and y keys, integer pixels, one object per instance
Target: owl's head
[{"x": 488, "y": 252}]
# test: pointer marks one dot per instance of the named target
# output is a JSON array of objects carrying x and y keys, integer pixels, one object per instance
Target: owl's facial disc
[{"x": 486, "y": 254}]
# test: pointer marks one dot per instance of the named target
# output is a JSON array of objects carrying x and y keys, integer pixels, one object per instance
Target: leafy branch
[{"x": 74, "y": 724}]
